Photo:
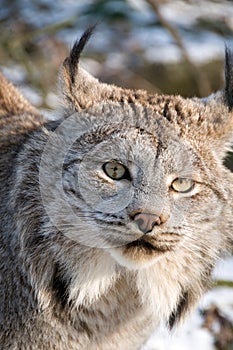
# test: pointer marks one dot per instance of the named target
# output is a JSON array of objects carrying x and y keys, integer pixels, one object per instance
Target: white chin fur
[{"x": 129, "y": 263}]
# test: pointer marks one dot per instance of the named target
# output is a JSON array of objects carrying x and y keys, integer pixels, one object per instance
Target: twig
[{"x": 199, "y": 77}]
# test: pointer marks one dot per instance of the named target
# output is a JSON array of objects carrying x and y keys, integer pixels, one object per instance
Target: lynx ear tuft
[
  {"x": 79, "y": 89},
  {"x": 229, "y": 77},
  {"x": 73, "y": 60}
]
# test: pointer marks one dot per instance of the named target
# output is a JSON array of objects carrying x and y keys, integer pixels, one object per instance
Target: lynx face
[
  {"x": 137, "y": 187},
  {"x": 141, "y": 173}
]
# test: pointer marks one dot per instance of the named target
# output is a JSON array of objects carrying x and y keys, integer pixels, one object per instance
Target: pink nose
[{"x": 146, "y": 221}]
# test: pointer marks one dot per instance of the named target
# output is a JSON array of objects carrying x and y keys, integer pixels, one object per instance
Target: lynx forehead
[{"x": 112, "y": 217}]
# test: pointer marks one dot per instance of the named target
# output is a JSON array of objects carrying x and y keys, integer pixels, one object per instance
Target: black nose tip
[{"x": 146, "y": 221}]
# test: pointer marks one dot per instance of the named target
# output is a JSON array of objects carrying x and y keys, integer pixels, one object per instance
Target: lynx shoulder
[{"x": 113, "y": 217}]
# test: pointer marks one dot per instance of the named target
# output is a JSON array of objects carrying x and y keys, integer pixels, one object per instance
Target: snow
[
  {"x": 191, "y": 335},
  {"x": 190, "y": 338},
  {"x": 224, "y": 270}
]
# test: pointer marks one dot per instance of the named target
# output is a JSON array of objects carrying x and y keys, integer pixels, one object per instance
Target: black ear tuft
[
  {"x": 229, "y": 77},
  {"x": 78, "y": 47}
]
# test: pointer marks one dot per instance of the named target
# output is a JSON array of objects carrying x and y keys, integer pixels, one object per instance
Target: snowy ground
[{"x": 199, "y": 332}]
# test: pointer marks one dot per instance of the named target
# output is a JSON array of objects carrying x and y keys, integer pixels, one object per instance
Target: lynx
[{"x": 113, "y": 216}]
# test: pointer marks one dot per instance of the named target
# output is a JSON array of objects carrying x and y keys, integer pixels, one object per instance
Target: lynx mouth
[
  {"x": 151, "y": 244},
  {"x": 141, "y": 243}
]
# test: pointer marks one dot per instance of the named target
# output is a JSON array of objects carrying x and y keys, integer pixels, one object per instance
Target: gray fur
[{"x": 77, "y": 277}]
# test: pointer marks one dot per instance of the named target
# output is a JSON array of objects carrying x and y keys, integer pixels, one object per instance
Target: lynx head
[{"x": 141, "y": 175}]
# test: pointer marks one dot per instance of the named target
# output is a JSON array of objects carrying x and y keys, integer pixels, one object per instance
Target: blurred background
[{"x": 163, "y": 46}]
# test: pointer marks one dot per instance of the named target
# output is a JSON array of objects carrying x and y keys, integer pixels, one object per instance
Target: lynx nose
[{"x": 146, "y": 221}]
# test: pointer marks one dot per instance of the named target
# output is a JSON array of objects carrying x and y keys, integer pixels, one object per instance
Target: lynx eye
[
  {"x": 116, "y": 171},
  {"x": 182, "y": 185}
]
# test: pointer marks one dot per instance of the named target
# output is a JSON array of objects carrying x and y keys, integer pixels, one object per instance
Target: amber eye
[
  {"x": 182, "y": 185},
  {"x": 116, "y": 171}
]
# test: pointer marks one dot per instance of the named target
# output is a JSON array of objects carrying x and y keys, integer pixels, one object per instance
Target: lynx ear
[
  {"x": 224, "y": 96},
  {"x": 224, "y": 121},
  {"x": 71, "y": 62},
  {"x": 217, "y": 120},
  {"x": 229, "y": 77},
  {"x": 79, "y": 89}
]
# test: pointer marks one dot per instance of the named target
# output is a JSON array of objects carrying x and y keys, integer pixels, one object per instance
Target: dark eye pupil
[{"x": 116, "y": 171}]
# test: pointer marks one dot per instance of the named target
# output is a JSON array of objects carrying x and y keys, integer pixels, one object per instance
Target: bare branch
[{"x": 199, "y": 77}]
